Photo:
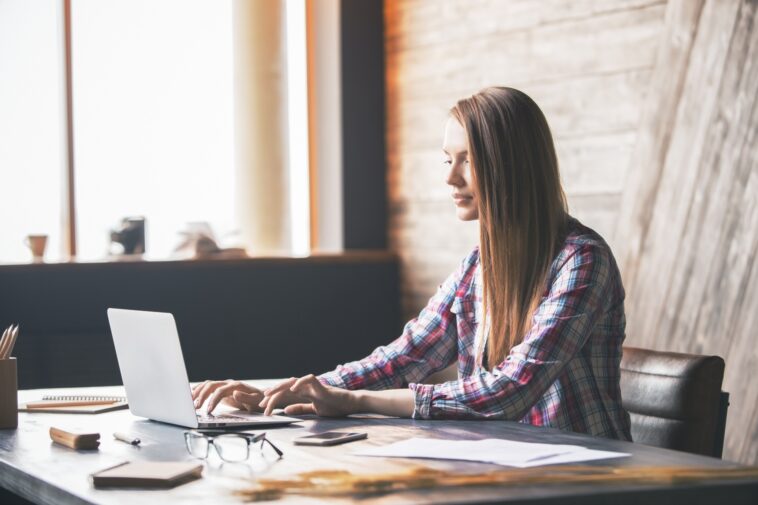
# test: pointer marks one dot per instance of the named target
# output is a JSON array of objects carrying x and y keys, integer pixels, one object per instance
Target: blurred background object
[
  {"x": 129, "y": 237},
  {"x": 37, "y": 245},
  {"x": 199, "y": 241}
]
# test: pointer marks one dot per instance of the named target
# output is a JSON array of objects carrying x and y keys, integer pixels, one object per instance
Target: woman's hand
[
  {"x": 236, "y": 394},
  {"x": 307, "y": 395}
]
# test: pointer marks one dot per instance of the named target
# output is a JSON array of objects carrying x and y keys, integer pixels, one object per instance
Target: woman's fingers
[
  {"x": 274, "y": 401},
  {"x": 241, "y": 395},
  {"x": 275, "y": 396},
  {"x": 308, "y": 386},
  {"x": 206, "y": 389},
  {"x": 304, "y": 395},
  {"x": 264, "y": 403},
  {"x": 299, "y": 409},
  {"x": 324, "y": 401},
  {"x": 248, "y": 401},
  {"x": 304, "y": 388},
  {"x": 248, "y": 397},
  {"x": 303, "y": 381},
  {"x": 282, "y": 386},
  {"x": 222, "y": 392},
  {"x": 196, "y": 389},
  {"x": 232, "y": 402},
  {"x": 248, "y": 389}
]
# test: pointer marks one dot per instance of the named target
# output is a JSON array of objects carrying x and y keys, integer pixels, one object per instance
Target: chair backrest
[{"x": 675, "y": 400}]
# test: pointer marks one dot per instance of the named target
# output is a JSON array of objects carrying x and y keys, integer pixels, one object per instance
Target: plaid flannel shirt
[{"x": 564, "y": 374}]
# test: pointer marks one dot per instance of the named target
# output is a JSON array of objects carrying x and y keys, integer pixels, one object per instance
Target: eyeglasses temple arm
[{"x": 278, "y": 451}]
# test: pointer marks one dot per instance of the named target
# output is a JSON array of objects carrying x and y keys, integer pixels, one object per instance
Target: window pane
[
  {"x": 31, "y": 126},
  {"x": 152, "y": 118},
  {"x": 297, "y": 117}
]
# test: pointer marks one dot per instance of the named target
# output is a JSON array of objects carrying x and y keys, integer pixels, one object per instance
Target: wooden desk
[{"x": 32, "y": 467}]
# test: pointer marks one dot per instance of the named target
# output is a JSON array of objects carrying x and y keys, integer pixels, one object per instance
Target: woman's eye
[{"x": 448, "y": 162}]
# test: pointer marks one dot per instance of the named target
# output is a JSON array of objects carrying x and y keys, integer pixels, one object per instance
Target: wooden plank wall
[
  {"x": 688, "y": 223},
  {"x": 587, "y": 64},
  {"x": 652, "y": 105}
]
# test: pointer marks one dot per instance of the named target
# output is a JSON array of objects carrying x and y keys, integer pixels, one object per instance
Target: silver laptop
[{"x": 155, "y": 378}]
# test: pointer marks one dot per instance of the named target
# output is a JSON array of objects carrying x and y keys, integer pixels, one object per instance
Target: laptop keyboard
[{"x": 206, "y": 418}]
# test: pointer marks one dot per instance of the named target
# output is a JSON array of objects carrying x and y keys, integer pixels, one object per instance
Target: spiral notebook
[{"x": 75, "y": 404}]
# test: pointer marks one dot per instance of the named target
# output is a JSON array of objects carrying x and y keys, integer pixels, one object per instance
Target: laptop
[{"x": 155, "y": 378}]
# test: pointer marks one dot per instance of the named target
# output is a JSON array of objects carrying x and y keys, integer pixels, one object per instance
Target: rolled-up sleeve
[
  {"x": 560, "y": 328},
  {"x": 428, "y": 344}
]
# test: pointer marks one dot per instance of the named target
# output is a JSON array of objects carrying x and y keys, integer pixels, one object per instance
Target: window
[
  {"x": 153, "y": 121},
  {"x": 152, "y": 118},
  {"x": 32, "y": 137},
  {"x": 297, "y": 119}
]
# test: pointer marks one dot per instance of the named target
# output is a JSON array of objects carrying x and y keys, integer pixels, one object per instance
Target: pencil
[
  {"x": 4, "y": 341},
  {"x": 11, "y": 343}
]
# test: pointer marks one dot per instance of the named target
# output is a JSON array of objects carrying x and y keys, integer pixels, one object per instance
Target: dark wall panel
[
  {"x": 242, "y": 319},
  {"x": 363, "y": 157}
]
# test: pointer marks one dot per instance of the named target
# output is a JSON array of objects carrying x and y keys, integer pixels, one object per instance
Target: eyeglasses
[{"x": 230, "y": 447}]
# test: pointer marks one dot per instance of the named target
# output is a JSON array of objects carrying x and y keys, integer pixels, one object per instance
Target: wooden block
[{"x": 75, "y": 439}]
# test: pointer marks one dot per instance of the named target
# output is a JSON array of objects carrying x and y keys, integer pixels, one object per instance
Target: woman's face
[{"x": 455, "y": 147}]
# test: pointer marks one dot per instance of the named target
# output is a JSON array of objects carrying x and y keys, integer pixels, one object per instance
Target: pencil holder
[{"x": 8, "y": 394}]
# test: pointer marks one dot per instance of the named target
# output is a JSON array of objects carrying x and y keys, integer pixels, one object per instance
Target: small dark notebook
[{"x": 148, "y": 474}]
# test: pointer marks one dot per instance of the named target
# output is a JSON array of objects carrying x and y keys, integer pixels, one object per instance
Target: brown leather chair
[{"x": 675, "y": 400}]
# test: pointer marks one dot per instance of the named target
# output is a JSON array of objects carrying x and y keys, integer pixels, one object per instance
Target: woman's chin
[{"x": 467, "y": 213}]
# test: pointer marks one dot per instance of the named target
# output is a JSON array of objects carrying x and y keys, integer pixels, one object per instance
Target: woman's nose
[{"x": 453, "y": 177}]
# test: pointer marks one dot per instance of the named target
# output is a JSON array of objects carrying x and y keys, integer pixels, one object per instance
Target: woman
[{"x": 534, "y": 317}]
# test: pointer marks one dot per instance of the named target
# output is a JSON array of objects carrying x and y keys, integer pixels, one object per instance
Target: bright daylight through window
[
  {"x": 153, "y": 123},
  {"x": 152, "y": 118},
  {"x": 31, "y": 126}
]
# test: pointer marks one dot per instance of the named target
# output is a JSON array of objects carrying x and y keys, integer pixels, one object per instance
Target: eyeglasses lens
[
  {"x": 197, "y": 445},
  {"x": 231, "y": 447}
]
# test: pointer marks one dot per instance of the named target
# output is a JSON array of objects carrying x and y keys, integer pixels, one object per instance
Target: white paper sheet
[
  {"x": 574, "y": 457},
  {"x": 497, "y": 451}
]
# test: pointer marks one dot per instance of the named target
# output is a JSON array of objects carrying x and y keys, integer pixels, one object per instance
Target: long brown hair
[{"x": 522, "y": 208}]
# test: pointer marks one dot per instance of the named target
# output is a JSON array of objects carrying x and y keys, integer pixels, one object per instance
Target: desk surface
[{"x": 33, "y": 467}]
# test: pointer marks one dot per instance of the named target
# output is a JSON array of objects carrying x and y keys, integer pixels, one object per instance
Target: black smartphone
[{"x": 330, "y": 438}]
